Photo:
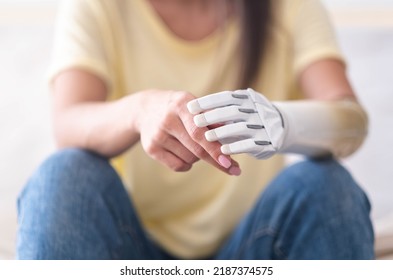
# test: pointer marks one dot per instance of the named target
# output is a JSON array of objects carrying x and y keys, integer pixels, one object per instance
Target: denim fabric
[
  {"x": 312, "y": 210},
  {"x": 75, "y": 207}
]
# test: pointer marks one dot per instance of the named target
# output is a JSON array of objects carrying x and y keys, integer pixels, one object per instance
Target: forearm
[
  {"x": 317, "y": 128},
  {"x": 106, "y": 128}
]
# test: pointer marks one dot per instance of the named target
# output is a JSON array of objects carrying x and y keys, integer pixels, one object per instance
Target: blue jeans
[{"x": 75, "y": 207}]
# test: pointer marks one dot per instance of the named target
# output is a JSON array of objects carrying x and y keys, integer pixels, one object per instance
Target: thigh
[
  {"x": 312, "y": 210},
  {"x": 75, "y": 207}
]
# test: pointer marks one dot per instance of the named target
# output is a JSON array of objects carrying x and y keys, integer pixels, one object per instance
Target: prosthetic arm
[{"x": 246, "y": 122}]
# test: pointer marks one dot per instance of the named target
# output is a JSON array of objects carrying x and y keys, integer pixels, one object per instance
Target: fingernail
[
  {"x": 224, "y": 161},
  {"x": 235, "y": 171}
]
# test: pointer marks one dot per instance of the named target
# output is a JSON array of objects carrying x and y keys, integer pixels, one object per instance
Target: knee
[
  {"x": 67, "y": 194},
  {"x": 320, "y": 198},
  {"x": 69, "y": 172},
  {"x": 325, "y": 183}
]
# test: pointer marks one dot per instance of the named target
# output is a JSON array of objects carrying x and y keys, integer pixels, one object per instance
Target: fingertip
[
  {"x": 226, "y": 150},
  {"x": 194, "y": 107},
  {"x": 200, "y": 120},
  {"x": 235, "y": 171},
  {"x": 183, "y": 168},
  {"x": 224, "y": 161},
  {"x": 211, "y": 136}
]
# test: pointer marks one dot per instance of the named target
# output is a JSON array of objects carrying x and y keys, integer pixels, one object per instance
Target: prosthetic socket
[{"x": 245, "y": 121}]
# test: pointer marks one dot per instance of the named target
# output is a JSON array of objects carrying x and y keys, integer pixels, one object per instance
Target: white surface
[
  {"x": 24, "y": 118},
  {"x": 25, "y": 134},
  {"x": 358, "y": 3},
  {"x": 370, "y": 56},
  {"x": 333, "y": 3}
]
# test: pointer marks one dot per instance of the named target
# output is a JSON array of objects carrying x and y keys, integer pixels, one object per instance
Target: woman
[{"x": 123, "y": 74}]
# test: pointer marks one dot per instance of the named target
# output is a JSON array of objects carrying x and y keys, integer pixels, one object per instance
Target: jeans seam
[
  {"x": 279, "y": 252},
  {"x": 258, "y": 234}
]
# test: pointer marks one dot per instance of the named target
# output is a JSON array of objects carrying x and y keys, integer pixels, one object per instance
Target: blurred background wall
[{"x": 365, "y": 33}]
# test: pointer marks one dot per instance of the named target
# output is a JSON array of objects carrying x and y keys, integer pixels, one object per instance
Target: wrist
[{"x": 130, "y": 108}]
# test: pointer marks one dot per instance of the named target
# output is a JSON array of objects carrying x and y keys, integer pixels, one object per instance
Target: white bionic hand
[
  {"x": 249, "y": 122},
  {"x": 252, "y": 124}
]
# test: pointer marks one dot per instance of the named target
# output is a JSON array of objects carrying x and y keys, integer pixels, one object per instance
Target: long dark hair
[{"x": 255, "y": 19}]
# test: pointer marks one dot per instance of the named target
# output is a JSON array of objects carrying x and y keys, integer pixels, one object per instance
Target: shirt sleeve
[
  {"x": 313, "y": 35},
  {"x": 80, "y": 40}
]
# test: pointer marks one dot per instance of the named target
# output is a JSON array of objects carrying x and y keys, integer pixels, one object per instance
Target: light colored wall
[
  {"x": 361, "y": 13},
  {"x": 359, "y": 3}
]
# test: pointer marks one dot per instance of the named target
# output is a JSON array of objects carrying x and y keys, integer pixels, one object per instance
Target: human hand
[
  {"x": 250, "y": 123},
  {"x": 169, "y": 135}
]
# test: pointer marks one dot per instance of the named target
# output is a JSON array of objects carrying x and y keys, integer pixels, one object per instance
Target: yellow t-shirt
[{"x": 128, "y": 45}]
